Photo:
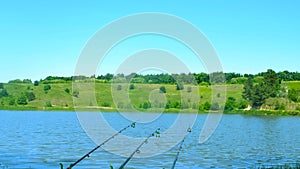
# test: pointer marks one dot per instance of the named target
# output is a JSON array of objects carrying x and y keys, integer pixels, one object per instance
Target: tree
[
  {"x": 189, "y": 89},
  {"x": 269, "y": 86},
  {"x": 3, "y": 93},
  {"x": 119, "y": 87},
  {"x": 230, "y": 104},
  {"x": 1, "y": 86},
  {"x": 248, "y": 89},
  {"x": 47, "y": 88},
  {"x": 75, "y": 93},
  {"x": 22, "y": 100},
  {"x": 11, "y": 101},
  {"x": 36, "y": 83},
  {"x": 30, "y": 96},
  {"x": 293, "y": 95},
  {"x": 215, "y": 106},
  {"x": 179, "y": 86},
  {"x": 205, "y": 106},
  {"x": 48, "y": 104},
  {"x": 162, "y": 89},
  {"x": 272, "y": 83},
  {"x": 131, "y": 87},
  {"x": 67, "y": 90}
]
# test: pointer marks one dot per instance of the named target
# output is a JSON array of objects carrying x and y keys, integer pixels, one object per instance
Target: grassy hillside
[{"x": 143, "y": 97}]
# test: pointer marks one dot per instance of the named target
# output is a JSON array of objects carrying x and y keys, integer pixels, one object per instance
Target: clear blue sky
[{"x": 41, "y": 38}]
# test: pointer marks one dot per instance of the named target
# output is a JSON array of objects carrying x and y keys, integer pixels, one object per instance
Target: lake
[{"x": 41, "y": 139}]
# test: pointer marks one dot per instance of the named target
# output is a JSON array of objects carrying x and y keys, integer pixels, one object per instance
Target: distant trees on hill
[{"x": 190, "y": 78}]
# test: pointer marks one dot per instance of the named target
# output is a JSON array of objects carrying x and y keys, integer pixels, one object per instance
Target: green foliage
[
  {"x": 230, "y": 104},
  {"x": 293, "y": 95},
  {"x": 67, "y": 90},
  {"x": 268, "y": 87},
  {"x": 217, "y": 77},
  {"x": 47, "y": 87},
  {"x": 175, "y": 105},
  {"x": 48, "y": 104},
  {"x": 206, "y": 106},
  {"x": 119, "y": 87},
  {"x": 138, "y": 80},
  {"x": 131, "y": 87},
  {"x": 279, "y": 106},
  {"x": 1, "y": 86},
  {"x": 248, "y": 89},
  {"x": 105, "y": 104},
  {"x": 12, "y": 101},
  {"x": 179, "y": 86},
  {"x": 75, "y": 93},
  {"x": 162, "y": 89},
  {"x": 189, "y": 89},
  {"x": 15, "y": 81},
  {"x": 22, "y": 100},
  {"x": 215, "y": 106},
  {"x": 145, "y": 105},
  {"x": 30, "y": 96},
  {"x": 3, "y": 93},
  {"x": 242, "y": 104},
  {"x": 36, "y": 83},
  {"x": 20, "y": 81}
]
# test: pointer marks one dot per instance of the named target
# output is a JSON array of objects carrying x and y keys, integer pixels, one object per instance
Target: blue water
[{"x": 39, "y": 139}]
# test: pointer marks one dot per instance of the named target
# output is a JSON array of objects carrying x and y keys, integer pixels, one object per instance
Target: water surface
[{"x": 41, "y": 139}]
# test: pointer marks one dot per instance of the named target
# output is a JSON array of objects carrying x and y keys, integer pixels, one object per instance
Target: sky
[{"x": 43, "y": 38}]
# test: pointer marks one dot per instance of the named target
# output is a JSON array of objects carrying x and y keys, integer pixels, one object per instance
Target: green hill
[{"x": 61, "y": 96}]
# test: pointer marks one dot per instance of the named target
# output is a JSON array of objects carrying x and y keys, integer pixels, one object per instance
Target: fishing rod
[
  {"x": 137, "y": 150},
  {"x": 180, "y": 147},
  {"x": 107, "y": 140}
]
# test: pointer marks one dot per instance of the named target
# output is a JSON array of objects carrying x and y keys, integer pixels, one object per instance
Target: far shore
[{"x": 111, "y": 109}]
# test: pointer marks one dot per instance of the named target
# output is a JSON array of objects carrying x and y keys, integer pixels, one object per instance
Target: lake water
[{"x": 38, "y": 139}]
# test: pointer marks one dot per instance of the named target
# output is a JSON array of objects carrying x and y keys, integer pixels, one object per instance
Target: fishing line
[
  {"x": 189, "y": 130},
  {"x": 90, "y": 152},
  {"x": 137, "y": 150}
]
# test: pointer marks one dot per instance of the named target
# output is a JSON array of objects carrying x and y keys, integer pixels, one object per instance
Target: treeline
[{"x": 191, "y": 78}]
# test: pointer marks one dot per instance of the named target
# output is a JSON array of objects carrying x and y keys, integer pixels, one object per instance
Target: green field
[{"x": 143, "y": 97}]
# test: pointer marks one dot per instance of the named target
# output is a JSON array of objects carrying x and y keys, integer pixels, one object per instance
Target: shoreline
[{"x": 172, "y": 111}]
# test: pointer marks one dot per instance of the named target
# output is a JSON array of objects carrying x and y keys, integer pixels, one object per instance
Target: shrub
[
  {"x": 30, "y": 96},
  {"x": 131, "y": 87},
  {"x": 243, "y": 104},
  {"x": 67, "y": 90},
  {"x": 145, "y": 105},
  {"x": 119, "y": 87},
  {"x": 75, "y": 93},
  {"x": 179, "y": 86},
  {"x": 105, "y": 104},
  {"x": 162, "y": 89},
  {"x": 3, "y": 93},
  {"x": 12, "y": 101},
  {"x": 205, "y": 106},
  {"x": 36, "y": 83},
  {"x": 48, "y": 104},
  {"x": 215, "y": 106},
  {"x": 22, "y": 100},
  {"x": 189, "y": 89},
  {"x": 47, "y": 88}
]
